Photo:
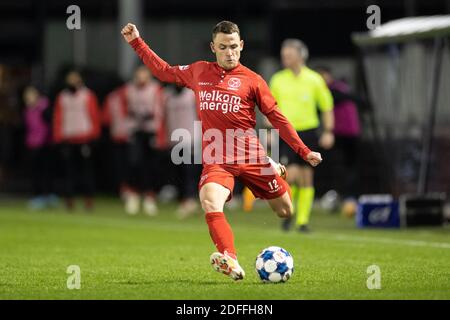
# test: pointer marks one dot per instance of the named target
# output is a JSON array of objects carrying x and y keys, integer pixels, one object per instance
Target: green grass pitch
[{"x": 123, "y": 257}]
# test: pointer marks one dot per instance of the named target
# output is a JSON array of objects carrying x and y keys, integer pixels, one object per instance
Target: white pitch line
[{"x": 407, "y": 242}]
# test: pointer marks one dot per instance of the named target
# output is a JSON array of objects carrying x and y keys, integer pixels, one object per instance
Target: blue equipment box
[{"x": 379, "y": 211}]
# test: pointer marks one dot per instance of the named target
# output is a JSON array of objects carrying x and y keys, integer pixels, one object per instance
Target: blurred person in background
[
  {"x": 346, "y": 131},
  {"x": 144, "y": 101},
  {"x": 180, "y": 110},
  {"x": 115, "y": 117},
  {"x": 37, "y": 119},
  {"x": 301, "y": 93},
  {"x": 76, "y": 125}
]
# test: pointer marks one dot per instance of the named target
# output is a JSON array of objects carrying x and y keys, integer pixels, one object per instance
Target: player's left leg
[
  {"x": 266, "y": 181},
  {"x": 248, "y": 196},
  {"x": 282, "y": 205}
]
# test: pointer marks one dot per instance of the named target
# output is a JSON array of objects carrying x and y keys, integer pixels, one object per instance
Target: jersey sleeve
[
  {"x": 264, "y": 98},
  {"x": 181, "y": 75},
  {"x": 323, "y": 96},
  {"x": 269, "y": 108}
]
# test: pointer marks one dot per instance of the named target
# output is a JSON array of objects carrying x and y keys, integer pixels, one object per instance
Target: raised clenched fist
[{"x": 130, "y": 32}]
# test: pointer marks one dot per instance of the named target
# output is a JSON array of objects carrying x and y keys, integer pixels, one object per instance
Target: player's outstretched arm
[
  {"x": 290, "y": 136},
  {"x": 159, "y": 68},
  {"x": 269, "y": 108}
]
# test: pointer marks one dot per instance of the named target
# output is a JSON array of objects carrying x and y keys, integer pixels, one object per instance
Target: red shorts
[{"x": 260, "y": 178}]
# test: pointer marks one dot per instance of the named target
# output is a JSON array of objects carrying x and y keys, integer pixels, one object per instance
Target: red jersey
[
  {"x": 226, "y": 101},
  {"x": 76, "y": 117}
]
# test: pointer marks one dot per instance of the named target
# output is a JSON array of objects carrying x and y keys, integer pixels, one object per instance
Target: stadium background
[{"x": 41, "y": 46}]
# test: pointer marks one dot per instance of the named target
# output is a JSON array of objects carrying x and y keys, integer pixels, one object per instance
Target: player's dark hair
[{"x": 226, "y": 27}]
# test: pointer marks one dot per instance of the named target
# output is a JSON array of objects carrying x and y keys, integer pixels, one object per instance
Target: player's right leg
[{"x": 213, "y": 196}]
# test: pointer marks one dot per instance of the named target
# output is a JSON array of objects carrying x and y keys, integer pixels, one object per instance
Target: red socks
[{"x": 221, "y": 233}]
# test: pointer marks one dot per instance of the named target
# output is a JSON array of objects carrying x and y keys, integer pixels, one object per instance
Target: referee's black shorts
[{"x": 287, "y": 156}]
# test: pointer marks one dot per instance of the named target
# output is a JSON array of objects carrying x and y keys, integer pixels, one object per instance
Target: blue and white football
[{"x": 274, "y": 264}]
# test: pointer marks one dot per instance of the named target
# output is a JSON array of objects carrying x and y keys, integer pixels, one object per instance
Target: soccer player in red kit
[{"x": 227, "y": 93}]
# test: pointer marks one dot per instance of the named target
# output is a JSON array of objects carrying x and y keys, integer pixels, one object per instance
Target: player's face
[
  {"x": 290, "y": 57},
  {"x": 227, "y": 48}
]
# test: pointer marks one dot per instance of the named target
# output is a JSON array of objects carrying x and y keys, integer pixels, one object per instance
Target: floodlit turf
[{"x": 123, "y": 257}]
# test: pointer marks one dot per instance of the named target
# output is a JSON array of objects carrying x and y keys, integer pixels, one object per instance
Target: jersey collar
[{"x": 222, "y": 70}]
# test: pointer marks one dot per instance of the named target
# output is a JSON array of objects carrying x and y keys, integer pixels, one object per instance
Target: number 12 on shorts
[{"x": 273, "y": 185}]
